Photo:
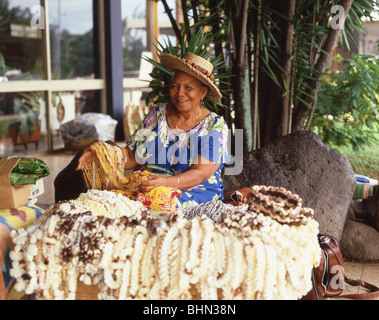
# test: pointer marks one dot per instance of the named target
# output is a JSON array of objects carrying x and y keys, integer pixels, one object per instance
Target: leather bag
[{"x": 329, "y": 278}]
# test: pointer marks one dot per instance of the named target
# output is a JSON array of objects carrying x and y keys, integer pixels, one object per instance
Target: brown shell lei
[{"x": 280, "y": 204}]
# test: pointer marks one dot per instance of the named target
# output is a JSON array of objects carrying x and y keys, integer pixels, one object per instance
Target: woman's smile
[{"x": 187, "y": 91}]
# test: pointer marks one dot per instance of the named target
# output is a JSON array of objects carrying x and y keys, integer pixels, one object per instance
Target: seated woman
[{"x": 182, "y": 144}]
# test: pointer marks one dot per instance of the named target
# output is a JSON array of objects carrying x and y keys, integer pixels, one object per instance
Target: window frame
[{"x": 49, "y": 85}]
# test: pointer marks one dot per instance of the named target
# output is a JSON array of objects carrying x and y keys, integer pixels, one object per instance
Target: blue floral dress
[{"x": 162, "y": 150}]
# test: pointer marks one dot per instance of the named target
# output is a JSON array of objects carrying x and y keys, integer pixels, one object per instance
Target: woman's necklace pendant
[{"x": 193, "y": 122}]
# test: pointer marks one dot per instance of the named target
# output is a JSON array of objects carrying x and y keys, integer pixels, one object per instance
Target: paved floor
[{"x": 366, "y": 271}]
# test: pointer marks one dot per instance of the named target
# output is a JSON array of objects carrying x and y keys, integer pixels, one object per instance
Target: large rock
[
  {"x": 371, "y": 204},
  {"x": 359, "y": 241},
  {"x": 360, "y": 236},
  {"x": 301, "y": 162}
]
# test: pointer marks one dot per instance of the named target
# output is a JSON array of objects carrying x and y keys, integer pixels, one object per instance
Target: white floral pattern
[{"x": 160, "y": 149}]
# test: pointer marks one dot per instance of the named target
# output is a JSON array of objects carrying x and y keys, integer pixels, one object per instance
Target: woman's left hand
[{"x": 153, "y": 182}]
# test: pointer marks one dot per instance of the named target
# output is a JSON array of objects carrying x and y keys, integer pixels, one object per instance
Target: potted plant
[
  {"x": 28, "y": 127},
  {"x": 3, "y": 67},
  {"x": 21, "y": 114}
]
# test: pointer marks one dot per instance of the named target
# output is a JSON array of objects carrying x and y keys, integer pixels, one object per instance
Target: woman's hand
[
  {"x": 87, "y": 157},
  {"x": 153, "y": 182},
  {"x": 197, "y": 174}
]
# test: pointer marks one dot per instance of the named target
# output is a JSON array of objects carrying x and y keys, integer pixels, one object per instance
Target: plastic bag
[
  {"x": 95, "y": 126},
  {"x": 28, "y": 171}
]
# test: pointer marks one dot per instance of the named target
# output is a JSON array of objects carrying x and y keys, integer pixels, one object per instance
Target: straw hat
[{"x": 197, "y": 67}]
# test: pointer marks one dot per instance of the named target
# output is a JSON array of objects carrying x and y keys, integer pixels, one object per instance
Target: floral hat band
[
  {"x": 201, "y": 69},
  {"x": 196, "y": 66}
]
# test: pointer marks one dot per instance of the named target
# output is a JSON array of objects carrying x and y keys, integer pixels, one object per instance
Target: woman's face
[{"x": 186, "y": 92}]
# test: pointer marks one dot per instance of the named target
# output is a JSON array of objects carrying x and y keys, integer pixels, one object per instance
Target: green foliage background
[{"x": 347, "y": 111}]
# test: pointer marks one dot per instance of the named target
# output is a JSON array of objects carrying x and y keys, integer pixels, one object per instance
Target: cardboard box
[{"x": 15, "y": 196}]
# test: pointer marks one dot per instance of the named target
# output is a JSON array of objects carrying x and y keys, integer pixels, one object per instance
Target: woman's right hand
[{"x": 88, "y": 156}]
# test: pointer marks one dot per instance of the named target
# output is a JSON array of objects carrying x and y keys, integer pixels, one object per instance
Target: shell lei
[{"x": 265, "y": 249}]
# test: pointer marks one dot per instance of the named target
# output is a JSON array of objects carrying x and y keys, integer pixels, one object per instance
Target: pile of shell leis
[{"x": 215, "y": 251}]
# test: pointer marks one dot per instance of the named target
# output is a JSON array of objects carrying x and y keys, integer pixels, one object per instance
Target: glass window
[
  {"x": 165, "y": 27},
  {"x": 23, "y": 56},
  {"x": 134, "y": 36},
  {"x": 21, "y": 119},
  {"x": 135, "y": 68},
  {"x": 71, "y": 39},
  {"x": 21, "y": 40},
  {"x": 70, "y": 105}
]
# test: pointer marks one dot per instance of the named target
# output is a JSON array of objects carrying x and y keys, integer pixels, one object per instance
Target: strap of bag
[
  {"x": 361, "y": 296},
  {"x": 333, "y": 245}
]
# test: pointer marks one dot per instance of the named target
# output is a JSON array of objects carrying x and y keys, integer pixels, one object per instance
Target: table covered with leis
[{"x": 264, "y": 249}]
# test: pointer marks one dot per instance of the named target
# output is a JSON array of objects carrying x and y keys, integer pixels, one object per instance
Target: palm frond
[{"x": 198, "y": 44}]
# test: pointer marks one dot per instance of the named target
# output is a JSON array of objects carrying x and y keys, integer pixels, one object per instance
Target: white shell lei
[{"x": 263, "y": 250}]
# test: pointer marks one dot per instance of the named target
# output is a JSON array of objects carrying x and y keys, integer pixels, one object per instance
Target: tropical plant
[
  {"x": 27, "y": 105},
  {"x": 276, "y": 53},
  {"x": 3, "y": 67},
  {"x": 162, "y": 77},
  {"x": 295, "y": 60},
  {"x": 347, "y": 112}
]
